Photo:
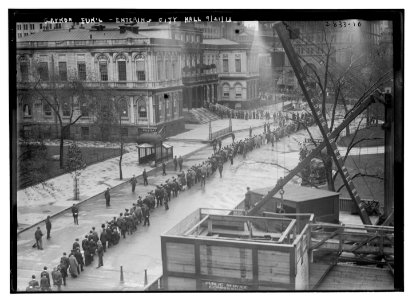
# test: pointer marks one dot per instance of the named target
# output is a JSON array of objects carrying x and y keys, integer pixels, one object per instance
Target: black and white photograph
[{"x": 206, "y": 150}]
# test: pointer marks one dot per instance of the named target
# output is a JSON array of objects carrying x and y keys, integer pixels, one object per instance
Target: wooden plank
[
  {"x": 180, "y": 257},
  {"x": 274, "y": 266},
  {"x": 334, "y": 246},
  {"x": 328, "y": 237},
  {"x": 243, "y": 233},
  {"x": 287, "y": 231},
  {"x": 196, "y": 226}
]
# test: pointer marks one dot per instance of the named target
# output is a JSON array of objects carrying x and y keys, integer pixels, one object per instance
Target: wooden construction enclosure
[{"x": 231, "y": 252}]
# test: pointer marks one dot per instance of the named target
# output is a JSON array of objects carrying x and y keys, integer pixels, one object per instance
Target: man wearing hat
[
  {"x": 33, "y": 282},
  {"x": 75, "y": 212},
  {"x": 145, "y": 182},
  {"x": 107, "y": 197},
  {"x": 45, "y": 283},
  {"x": 38, "y": 236},
  {"x": 64, "y": 264},
  {"x": 57, "y": 278},
  {"x": 76, "y": 244},
  {"x": 45, "y": 273},
  {"x": 133, "y": 181},
  {"x": 48, "y": 227}
]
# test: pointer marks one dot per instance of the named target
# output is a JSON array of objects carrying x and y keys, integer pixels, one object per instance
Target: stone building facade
[{"x": 142, "y": 74}]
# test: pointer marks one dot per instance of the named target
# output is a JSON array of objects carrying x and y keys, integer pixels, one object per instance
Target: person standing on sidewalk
[
  {"x": 44, "y": 284},
  {"x": 145, "y": 182},
  {"x": 79, "y": 257},
  {"x": 64, "y": 264},
  {"x": 45, "y": 273},
  {"x": 175, "y": 162},
  {"x": 133, "y": 181},
  {"x": 220, "y": 169},
  {"x": 57, "y": 278},
  {"x": 33, "y": 283},
  {"x": 180, "y": 161},
  {"x": 38, "y": 236},
  {"x": 75, "y": 212},
  {"x": 103, "y": 237},
  {"x": 164, "y": 168},
  {"x": 146, "y": 215},
  {"x": 107, "y": 196},
  {"x": 100, "y": 254},
  {"x": 73, "y": 266},
  {"x": 48, "y": 227}
]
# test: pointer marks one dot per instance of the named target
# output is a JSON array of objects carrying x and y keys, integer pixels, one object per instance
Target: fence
[{"x": 219, "y": 133}]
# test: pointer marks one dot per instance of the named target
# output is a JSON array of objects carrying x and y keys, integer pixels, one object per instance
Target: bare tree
[
  {"x": 61, "y": 95},
  {"x": 334, "y": 83},
  {"x": 109, "y": 110}
]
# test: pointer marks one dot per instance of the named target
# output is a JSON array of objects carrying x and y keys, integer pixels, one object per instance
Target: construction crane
[{"x": 328, "y": 138}]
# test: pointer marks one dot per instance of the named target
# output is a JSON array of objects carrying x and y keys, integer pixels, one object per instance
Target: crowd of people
[{"x": 95, "y": 244}]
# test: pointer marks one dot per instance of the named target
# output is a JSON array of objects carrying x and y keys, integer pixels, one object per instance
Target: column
[
  {"x": 150, "y": 113},
  {"x": 131, "y": 112}
]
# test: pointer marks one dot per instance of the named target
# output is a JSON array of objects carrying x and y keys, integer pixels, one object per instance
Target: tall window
[
  {"x": 44, "y": 71},
  {"x": 26, "y": 107},
  {"x": 63, "y": 70},
  {"x": 121, "y": 68},
  {"x": 81, "y": 70},
  {"x": 66, "y": 108},
  {"x": 103, "y": 70},
  {"x": 142, "y": 110},
  {"x": 168, "y": 69},
  {"x": 225, "y": 65},
  {"x": 174, "y": 69},
  {"x": 25, "y": 27},
  {"x": 226, "y": 91},
  {"x": 18, "y": 27},
  {"x": 237, "y": 64},
  {"x": 140, "y": 69},
  {"x": 47, "y": 109},
  {"x": 31, "y": 26},
  {"x": 41, "y": 26},
  {"x": 24, "y": 70},
  {"x": 123, "y": 108},
  {"x": 159, "y": 68},
  {"x": 238, "y": 91},
  {"x": 84, "y": 108}
]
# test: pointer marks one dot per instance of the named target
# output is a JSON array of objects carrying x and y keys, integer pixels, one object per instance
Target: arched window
[
  {"x": 27, "y": 107},
  {"x": 121, "y": 67},
  {"x": 123, "y": 109},
  {"x": 142, "y": 109},
  {"x": 238, "y": 90},
  {"x": 66, "y": 108},
  {"x": 226, "y": 89},
  {"x": 103, "y": 69},
  {"x": 140, "y": 68}
]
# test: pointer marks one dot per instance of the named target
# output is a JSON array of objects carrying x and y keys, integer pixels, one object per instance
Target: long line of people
[{"x": 111, "y": 233}]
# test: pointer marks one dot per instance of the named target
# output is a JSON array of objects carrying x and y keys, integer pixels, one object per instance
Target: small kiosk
[{"x": 152, "y": 149}]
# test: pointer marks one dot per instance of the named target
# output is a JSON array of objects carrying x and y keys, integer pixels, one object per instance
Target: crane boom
[
  {"x": 320, "y": 121},
  {"x": 352, "y": 115}
]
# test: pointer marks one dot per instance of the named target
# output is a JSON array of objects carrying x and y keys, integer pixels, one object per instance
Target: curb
[{"x": 154, "y": 169}]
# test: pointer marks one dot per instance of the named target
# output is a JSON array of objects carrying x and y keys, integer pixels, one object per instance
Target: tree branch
[{"x": 361, "y": 175}]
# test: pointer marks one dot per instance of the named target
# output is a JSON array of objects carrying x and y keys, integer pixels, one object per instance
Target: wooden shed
[
  {"x": 298, "y": 199},
  {"x": 223, "y": 250}
]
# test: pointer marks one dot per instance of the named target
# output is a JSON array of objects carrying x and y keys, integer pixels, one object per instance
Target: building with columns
[{"x": 140, "y": 72}]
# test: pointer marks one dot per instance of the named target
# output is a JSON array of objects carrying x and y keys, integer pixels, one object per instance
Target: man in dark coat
[
  {"x": 64, "y": 264},
  {"x": 164, "y": 168},
  {"x": 76, "y": 244},
  {"x": 75, "y": 212},
  {"x": 145, "y": 182},
  {"x": 107, "y": 196},
  {"x": 133, "y": 181},
  {"x": 45, "y": 273},
  {"x": 146, "y": 215},
  {"x": 180, "y": 161},
  {"x": 48, "y": 227},
  {"x": 33, "y": 285},
  {"x": 44, "y": 284},
  {"x": 103, "y": 238},
  {"x": 175, "y": 162},
  {"x": 73, "y": 266},
  {"x": 79, "y": 257},
  {"x": 100, "y": 254},
  {"x": 38, "y": 236},
  {"x": 57, "y": 278}
]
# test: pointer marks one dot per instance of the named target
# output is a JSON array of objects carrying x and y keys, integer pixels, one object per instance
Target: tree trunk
[{"x": 62, "y": 130}]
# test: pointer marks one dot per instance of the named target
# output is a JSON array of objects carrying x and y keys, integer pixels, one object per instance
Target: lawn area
[
  {"x": 90, "y": 155},
  {"x": 368, "y": 188},
  {"x": 370, "y": 132}
]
